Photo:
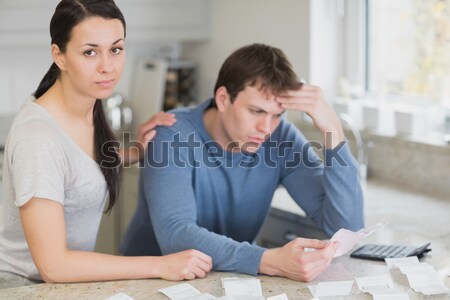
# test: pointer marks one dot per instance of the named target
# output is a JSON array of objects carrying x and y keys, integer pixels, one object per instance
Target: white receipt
[
  {"x": 120, "y": 296},
  {"x": 375, "y": 284},
  {"x": 242, "y": 287},
  {"x": 401, "y": 261},
  {"x": 348, "y": 239},
  {"x": 241, "y": 298},
  {"x": 418, "y": 268},
  {"x": 279, "y": 297},
  {"x": 396, "y": 295},
  {"x": 201, "y": 297},
  {"x": 426, "y": 282},
  {"x": 180, "y": 291},
  {"x": 331, "y": 288}
]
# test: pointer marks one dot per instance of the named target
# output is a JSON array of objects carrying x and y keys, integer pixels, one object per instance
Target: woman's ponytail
[
  {"x": 106, "y": 153},
  {"x": 48, "y": 80}
]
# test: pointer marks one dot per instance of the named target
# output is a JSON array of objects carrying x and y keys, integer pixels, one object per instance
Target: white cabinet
[{"x": 26, "y": 22}]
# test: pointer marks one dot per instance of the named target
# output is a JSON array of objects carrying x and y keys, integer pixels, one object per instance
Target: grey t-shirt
[{"x": 41, "y": 161}]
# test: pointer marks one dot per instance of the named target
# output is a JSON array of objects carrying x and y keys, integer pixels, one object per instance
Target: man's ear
[
  {"x": 58, "y": 57},
  {"x": 222, "y": 99}
]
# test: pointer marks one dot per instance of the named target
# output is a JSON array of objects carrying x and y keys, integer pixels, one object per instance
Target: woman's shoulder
[{"x": 32, "y": 124}]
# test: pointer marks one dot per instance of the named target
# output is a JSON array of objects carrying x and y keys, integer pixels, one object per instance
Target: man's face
[{"x": 250, "y": 119}]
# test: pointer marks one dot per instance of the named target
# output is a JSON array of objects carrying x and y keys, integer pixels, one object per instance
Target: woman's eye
[
  {"x": 116, "y": 50},
  {"x": 89, "y": 53}
]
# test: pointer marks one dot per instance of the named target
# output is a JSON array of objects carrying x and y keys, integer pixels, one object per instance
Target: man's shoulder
[{"x": 188, "y": 120}]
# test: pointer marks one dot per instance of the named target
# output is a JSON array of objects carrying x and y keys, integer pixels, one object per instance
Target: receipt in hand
[{"x": 348, "y": 239}]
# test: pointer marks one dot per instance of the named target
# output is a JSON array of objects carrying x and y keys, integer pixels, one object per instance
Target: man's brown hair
[{"x": 258, "y": 65}]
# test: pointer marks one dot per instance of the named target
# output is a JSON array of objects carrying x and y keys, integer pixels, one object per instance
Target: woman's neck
[{"x": 63, "y": 100}]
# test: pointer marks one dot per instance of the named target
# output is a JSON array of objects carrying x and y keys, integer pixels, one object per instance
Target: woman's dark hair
[
  {"x": 257, "y": 64},
  {"x": 68, "y": 14}
]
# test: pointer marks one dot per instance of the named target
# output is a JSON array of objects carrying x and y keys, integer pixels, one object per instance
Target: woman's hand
[
  {"x": 186, "y": 265},
  {"x": 146, "y": 132}
]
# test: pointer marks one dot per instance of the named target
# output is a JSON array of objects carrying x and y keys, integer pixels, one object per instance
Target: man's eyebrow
[
  {"x": 263, "y": 111},
  {"x": 95, "y": 45}
]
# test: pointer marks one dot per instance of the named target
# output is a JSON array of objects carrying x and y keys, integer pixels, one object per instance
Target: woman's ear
[
  {"x": 58, "y": 57},
  {"x": 222, "y": 99}
]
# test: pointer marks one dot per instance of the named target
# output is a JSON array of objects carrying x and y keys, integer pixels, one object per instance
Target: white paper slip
[
  {"x": 401, "y": 261},
  {"x": 426, "y": 283},
  {"x": 201, "y": 297},
  {"x": 392, "y": 296},
  {"x": 242, "y": 298},
  {"x": 279, "y": 297},
  {"x": 375, "y": 284},
  {"x": 348, "y": 239},
  {"x": 418, "y": 268},
  {"x": 437, "y": 289},
  {"x": 224, "y": 279},
  {"x": 242, "y": 287},
  {"x": 120, "y": 296},
  {"x": 180, "y": 291},
  {"x": 372, "y": 229},
  {"x": 331, "y": 288}
]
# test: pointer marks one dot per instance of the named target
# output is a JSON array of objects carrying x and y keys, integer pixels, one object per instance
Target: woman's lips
[{"x": 105, "y": 83}]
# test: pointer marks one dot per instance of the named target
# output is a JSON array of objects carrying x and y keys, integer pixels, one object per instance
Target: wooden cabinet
[{"x": 26, "y": 22}]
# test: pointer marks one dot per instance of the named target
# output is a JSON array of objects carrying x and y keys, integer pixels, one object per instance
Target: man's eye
[{"x": 89, "y": 53}]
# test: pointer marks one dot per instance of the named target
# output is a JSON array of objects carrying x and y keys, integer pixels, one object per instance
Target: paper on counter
[
  {"x": 278, "y": 297},
  {"x": 120, "y": 296},
  {"x": 180, "y": 291},
  {"x": 401, "y": 261},
  {"x": 378, "y": 284},
  {"x": 331, "y": 288},
  {"x": 396, "y": 295},
  {"x": 426, "y": 283},
  {"x": 241, "y": 298},
  {"x": 348, "y": 239},
  {"x": 201, "y": 297},
  {"x": 242, "y": 287}
]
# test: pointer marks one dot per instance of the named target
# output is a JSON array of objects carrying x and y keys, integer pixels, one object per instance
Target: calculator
[{"x": 380, "y": 252}]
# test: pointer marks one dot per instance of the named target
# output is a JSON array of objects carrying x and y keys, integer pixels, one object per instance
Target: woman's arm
[
  {"x": 146, "y": 132},
  {"x": 46, "y": 237}
]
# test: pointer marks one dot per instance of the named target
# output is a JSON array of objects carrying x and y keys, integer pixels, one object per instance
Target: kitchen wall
[
  {"x": 299, "y": 27},
  {"x": 234, "y": 23}
]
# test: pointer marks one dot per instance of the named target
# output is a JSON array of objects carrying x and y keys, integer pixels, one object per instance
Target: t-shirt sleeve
[{"x": 37, "y": 164}]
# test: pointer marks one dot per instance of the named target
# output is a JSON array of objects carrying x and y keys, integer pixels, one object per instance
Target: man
[{"x": 209, "y": 180}]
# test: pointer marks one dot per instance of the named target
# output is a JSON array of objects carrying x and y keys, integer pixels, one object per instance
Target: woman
[{"x": 60, "y": 168}]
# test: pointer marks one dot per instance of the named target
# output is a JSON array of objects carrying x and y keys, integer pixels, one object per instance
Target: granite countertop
[{"x": 413, "y": 220}]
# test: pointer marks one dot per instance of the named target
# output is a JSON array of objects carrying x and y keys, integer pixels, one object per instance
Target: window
[{"x": 408, "y": 50}]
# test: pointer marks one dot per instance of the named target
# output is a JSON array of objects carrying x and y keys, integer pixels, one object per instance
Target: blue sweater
[{"x": 194, "y": 195}]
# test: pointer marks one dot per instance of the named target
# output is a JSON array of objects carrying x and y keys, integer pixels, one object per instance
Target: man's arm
[
  {"x": 172, "y": 206},
  {"x": 331, "y": 195}
]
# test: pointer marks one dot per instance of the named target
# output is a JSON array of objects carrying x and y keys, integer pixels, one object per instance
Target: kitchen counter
[{"x": 413, "y": 220}]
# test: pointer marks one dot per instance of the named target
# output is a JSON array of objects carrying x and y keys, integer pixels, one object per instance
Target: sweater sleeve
[
  {"x": 329, "y": 191},
  {"x": 171, "y": 199}
]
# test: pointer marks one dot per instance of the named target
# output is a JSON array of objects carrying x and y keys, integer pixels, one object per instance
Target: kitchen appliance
[
  {"x": 162, "y": 85},
  {"x": 118, "y": 114}
]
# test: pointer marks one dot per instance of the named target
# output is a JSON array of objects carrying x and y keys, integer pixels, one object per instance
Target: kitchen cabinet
[
  {"x": 113, "y": 225},
  {"x": 26, "y": 22}
]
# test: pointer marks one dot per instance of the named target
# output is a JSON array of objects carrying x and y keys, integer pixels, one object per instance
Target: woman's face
[{"x": 94, "y": 58}]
